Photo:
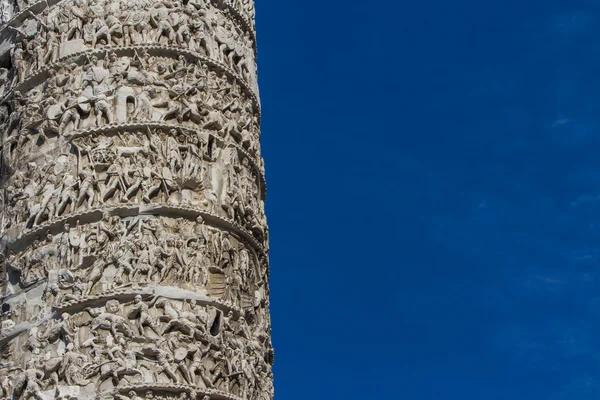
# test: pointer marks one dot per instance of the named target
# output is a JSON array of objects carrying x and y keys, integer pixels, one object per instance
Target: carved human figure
[
  {"x": 197, "y": 370},
  {"x": 87, "y": 184},
  {"x": 131, "y": 395},
  {"x": 18, "y": 62},
  {"x": 140, "y": 312},
  {"x": 108, "y": 318},
  {"x": 32, "y": 382},
  {"x": 178, "y": 79},
  {"x": 123, "y": 361},
  {"x": 164, "y": 360}
]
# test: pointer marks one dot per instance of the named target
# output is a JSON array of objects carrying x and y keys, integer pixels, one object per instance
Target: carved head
[
  {"x": 138, "y": 299},
  {"x": 149, "y": 394},
  {"x": 112, "y": 306}
]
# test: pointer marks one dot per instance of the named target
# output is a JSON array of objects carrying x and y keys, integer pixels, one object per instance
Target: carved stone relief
[
  {"x": 140, "y": 340},
  {"x": 167, "y": 165},
  {"x": 134, "y": 241},
  {"x": 142, "y": 88},
  {"x": 74, "y": 26},
  {"x": 119, "y": 253}
]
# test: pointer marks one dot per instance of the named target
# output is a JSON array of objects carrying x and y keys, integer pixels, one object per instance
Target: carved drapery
[{"x": 135, "y": 244}]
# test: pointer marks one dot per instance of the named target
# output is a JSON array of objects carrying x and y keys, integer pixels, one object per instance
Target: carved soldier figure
[
  {"x": 197, "y": 367},
  {"x": 108, "y": 318},
  {"x": 164, "y": 360},
  {"x": 52, "y": 47},
  {"x": 132, "y": 395},
  {"x": 102, "y": 109},
  {"x": 99, "y": 30},
  {"x": 17, "y": 55},
  {"x": 33, "y": 382},
  {"x": 87, "y": 184},
  {"x": 162, "y": 181},
  {"x": 161, "y": 19},
  {"x": 140, "y": 312},
  {"x": 116, "y": 180},
  {"x": 74, "y": 17},
  {"x": 136, "y": 25},
  {"x": 133, "y": 122},
  {"x": 125, "y": 360},
  {"x": 70, "y": 115}
]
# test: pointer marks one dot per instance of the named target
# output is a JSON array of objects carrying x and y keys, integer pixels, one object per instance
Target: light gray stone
[{"x": 135, "y": 241}]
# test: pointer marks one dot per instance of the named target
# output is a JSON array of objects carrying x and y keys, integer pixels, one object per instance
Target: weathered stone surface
[{"x": 134, "y": 238}]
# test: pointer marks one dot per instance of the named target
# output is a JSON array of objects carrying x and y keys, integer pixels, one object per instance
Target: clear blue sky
[{"x": 433, "y": 173}]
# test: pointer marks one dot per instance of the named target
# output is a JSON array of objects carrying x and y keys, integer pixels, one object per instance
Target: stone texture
[{"x": 135, "y": 242}]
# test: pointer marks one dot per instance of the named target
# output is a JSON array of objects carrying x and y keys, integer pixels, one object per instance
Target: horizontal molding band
[
  {"x": 148, "y": 292},
  {"x": 22, "y": 240},
  {"x": 176, "y": 388}
]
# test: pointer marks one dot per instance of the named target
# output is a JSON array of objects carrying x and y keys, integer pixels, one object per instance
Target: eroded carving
[
  {"x": 134, "y": 237},
  {"x": 155, "y": 340}
]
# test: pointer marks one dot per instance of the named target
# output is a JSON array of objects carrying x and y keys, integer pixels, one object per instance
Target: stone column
[{"x": 135, "y": 242}]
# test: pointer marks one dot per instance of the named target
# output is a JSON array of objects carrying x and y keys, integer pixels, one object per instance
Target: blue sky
[{"x": 433, "y": 175}]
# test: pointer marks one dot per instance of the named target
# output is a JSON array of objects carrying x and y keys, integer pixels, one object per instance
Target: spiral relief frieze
[
  {"x": 134, "y": 262},
  {"x": 20, "y": 13}
]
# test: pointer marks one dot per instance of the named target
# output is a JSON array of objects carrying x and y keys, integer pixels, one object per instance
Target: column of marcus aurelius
[{"x": 134, "y": 262}]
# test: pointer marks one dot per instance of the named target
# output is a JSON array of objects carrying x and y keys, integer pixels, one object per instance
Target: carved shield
[
  {"x": 54, "y": 112},
  {"x": 167, "y": 175},
  {"x": 76, "y": 239},
  {"x": 87, "y": 261},
  {"x": 180, "y": 353},
  {"x": 84, "y": 104},
  {"x": 217, "y": 283}
]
